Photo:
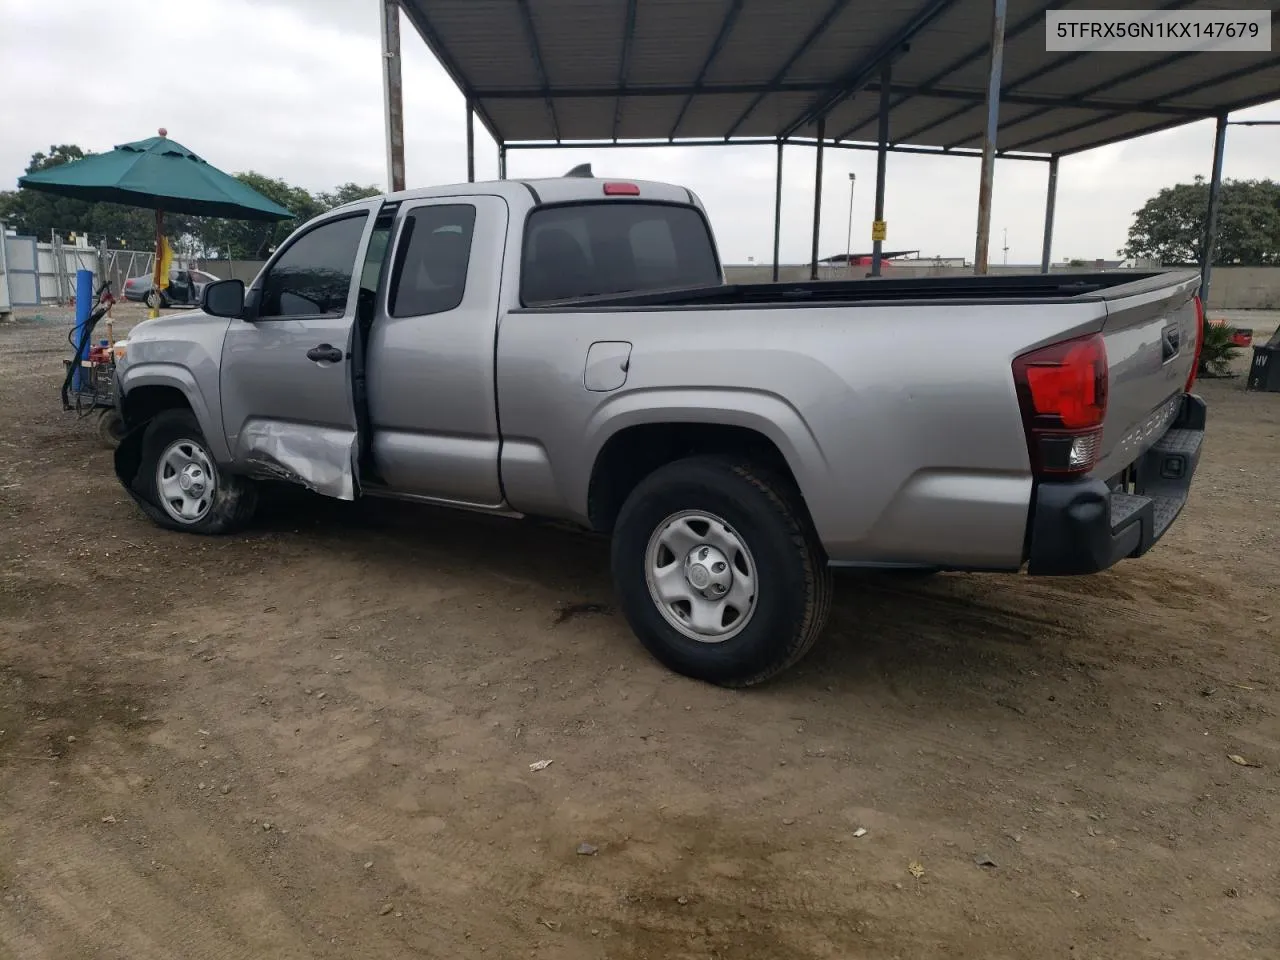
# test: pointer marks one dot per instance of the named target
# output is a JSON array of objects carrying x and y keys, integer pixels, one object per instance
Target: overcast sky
[{"x": 292, "y": 89}]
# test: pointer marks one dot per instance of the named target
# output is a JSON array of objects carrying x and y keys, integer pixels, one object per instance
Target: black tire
[
  {"x": 234, "y": 498},
  {"x": 110, "y": 428},
  {"x": 793, "y": 581}
]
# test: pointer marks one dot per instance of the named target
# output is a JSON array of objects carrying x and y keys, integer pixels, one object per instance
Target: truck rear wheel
[
  {"x": 181, "y": 486},
  {"x": 719, "y": 571}
]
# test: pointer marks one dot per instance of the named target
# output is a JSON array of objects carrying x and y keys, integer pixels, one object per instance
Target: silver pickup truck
[{"x": 569, "y": 349}]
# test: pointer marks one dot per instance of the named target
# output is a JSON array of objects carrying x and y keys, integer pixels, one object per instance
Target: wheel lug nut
[{"x": 718, "y": 566}]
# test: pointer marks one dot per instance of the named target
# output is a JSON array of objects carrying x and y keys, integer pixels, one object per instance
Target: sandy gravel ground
[{"x": 315, "y": 740}]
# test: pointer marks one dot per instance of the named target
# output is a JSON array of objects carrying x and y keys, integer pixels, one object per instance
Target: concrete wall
[
  {"x": 1244, "y": 288},
  {"x": 1230, "y": 288}
]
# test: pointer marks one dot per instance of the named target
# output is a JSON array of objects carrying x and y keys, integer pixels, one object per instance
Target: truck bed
[{"x": 1026, "y": 288}]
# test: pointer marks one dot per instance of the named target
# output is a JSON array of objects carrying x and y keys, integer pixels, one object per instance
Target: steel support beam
[
  {"x": 1051, "y": 200},
  {"x": 1034, "y": 20},
  {"x": 1189, "y": 90},
  {"x": 777, "y": 215},
  {"x": 861, "y": 75},
  {"x": 1057, "y": 63},
  {"x": 767, "y": 142},
  {"x": 1267, "y": 96},
  {"x": 624, "y": 69},
  {"x": 817, "y": 200},
  {"x": 817, "y": 31},
  {"x": 471, "y": 143},
  {"x": 393, "y": 94},
  {"x": 999, "y": 11},
  {"x": 882, "y": 156},
  {"x": 535, "y": 51},
  {"x": 415, "y": 15},
  {"x": 502, "y": 161},
  {"x": 1211, "y": 217},
  {"x": 726, "y": 27}
]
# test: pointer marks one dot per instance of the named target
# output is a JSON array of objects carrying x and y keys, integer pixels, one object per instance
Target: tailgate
[{"x": 1151, "y": 337}]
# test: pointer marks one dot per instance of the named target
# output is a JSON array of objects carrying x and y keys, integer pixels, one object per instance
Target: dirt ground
[{"x": 315, "y": 740}]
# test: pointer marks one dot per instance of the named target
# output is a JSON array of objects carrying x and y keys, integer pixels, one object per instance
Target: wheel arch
[
  {"x": 634, "y": 442},
  {"x": 146, "y": 390}
]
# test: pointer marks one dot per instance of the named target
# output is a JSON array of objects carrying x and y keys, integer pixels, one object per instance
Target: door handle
[{"x": 325, "y": 353}]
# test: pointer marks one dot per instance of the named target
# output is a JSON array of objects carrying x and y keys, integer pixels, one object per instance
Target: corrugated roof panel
[
  {"x": 773, "y": 112},
  {"x": 849, "y": 40},
  {"x": 485, "y": 41},
  {"x": 910, "y": 116},
  {"x": 1263, "y": 84},
  {"x": 765, "y": 36},
  {"x": 580, "y": 40},
  {"x": 1185, "y": 78},
  {"x": 1116, "y": 127},
  {"x": 648, "y": 118},
  {"x": 585, "y": 118},
  {"x": 520, "y": 119},
  {"x": 1038, "y": 125},
  {"x": 485, "y": 44},
  {"x": 707, "y": 112},
  {"x": 965, "y": 129},
  {"x": 673, "y": 39}
]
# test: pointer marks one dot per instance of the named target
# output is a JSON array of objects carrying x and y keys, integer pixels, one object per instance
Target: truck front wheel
[
  {"x": 719, "y": 571},
  {"x": 181, "y": 486}
]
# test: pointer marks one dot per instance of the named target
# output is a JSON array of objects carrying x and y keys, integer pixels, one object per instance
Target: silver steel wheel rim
[
  {"x": 701, "y": 576},
  {"x": 186, "y": 481}
]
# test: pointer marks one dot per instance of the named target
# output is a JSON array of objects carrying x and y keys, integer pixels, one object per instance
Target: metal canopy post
[
  {"x": 817, "y": 200},
  {"x": 998, "y": 13},
  {"x": 393, "y": 94},
  {"x": 882, "y": 155},
  {"x": 777, "y": 215},
  {"x": 471, "y": 143},
  {"x": 1050, "y": 201},
  {"x": 502, "y": 161},
  {"x": 1211, "y": 219}
]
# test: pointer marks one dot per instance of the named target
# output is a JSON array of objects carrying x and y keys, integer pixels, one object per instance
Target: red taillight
[
  {"x": 1195, "y": 364},
  {"x": 1062, "y": 390},
  {"x": 621, "y": 190}
]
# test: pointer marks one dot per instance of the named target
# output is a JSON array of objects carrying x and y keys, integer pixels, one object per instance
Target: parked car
[
  {"x": 568, "y": 349},
  {"x": 185, "y": 286}
]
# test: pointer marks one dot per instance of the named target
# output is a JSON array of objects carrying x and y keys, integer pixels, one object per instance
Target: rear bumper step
[{"x": 1083, "y": 526}]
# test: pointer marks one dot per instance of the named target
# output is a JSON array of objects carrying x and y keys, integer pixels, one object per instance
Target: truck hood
[{"x": 176, "y": 326}]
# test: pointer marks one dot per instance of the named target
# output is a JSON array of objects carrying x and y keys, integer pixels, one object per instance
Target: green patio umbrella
[{"x": 157, "y": 174}]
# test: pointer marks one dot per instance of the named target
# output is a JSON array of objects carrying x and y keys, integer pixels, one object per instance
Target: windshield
[{"x": 594, "y": 248}]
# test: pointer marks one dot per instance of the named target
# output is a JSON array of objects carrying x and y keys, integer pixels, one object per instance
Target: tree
[
  {"x": 255, "y": 239},
  {"x": 1170, "y": 226},
  {"x": 346, "y": 193}
]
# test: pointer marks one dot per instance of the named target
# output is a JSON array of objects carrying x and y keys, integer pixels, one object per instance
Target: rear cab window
[{"x": 594, "y": 248}]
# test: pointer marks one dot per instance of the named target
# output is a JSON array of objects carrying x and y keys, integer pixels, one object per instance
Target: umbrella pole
[{"x": 155, "y": 269}]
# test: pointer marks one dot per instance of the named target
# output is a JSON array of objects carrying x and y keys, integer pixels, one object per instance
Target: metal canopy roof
[{"x": 583, "y": 70}]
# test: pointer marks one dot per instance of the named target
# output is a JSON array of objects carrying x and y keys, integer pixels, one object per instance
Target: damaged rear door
[{"x": 288, "y": 403}]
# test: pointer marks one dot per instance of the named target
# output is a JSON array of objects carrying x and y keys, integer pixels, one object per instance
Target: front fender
[{"x": 178, "y": 377}]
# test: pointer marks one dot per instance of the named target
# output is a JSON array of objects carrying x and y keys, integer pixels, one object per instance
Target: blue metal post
[{"x": 84, "y": 306}]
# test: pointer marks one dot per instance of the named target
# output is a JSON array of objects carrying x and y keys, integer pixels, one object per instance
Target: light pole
[{"x": 848, "y": 250}]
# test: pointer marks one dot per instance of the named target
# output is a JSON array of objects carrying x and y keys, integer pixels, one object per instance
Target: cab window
[{"x": 312, "y": 278}]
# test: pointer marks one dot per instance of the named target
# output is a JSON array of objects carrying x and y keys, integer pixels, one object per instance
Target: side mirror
[{"x": 225, "y": 298}]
